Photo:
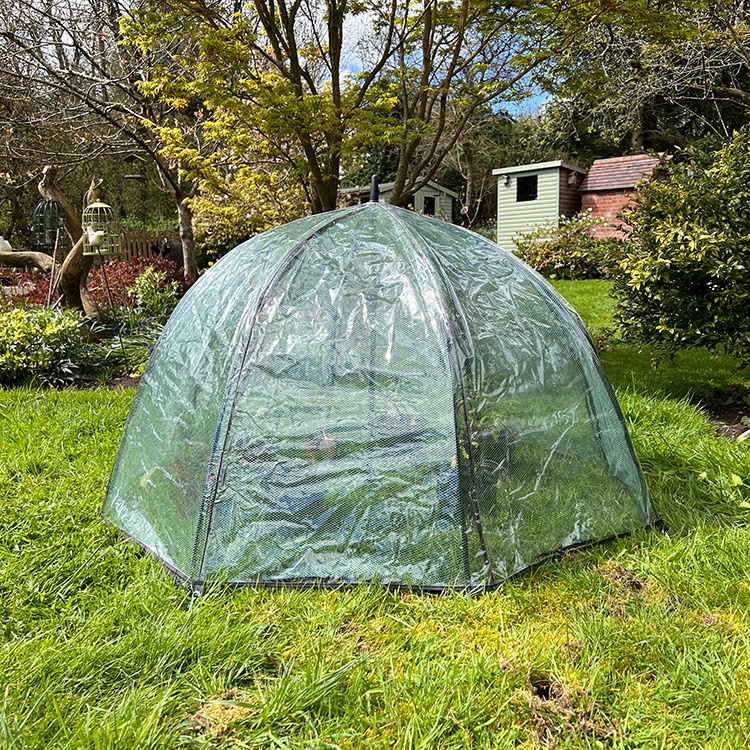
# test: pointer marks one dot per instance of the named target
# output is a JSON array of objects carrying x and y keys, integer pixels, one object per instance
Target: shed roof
[
  {"x": 386, "y": 187},
  {"x": 617, "y": 173},
  {"x": 539, "y": 166}
]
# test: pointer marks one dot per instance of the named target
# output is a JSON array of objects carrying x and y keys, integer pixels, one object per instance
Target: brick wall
[{"x": 607, "y": 204}]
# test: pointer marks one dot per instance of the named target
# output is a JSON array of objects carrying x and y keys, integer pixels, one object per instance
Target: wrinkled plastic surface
[{"x": 372, "y": 395}]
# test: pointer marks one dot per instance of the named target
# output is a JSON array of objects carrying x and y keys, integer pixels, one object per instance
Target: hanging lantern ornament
[
  {"x": 101, "y": 230},
  {"x": 49, "y": 217}
]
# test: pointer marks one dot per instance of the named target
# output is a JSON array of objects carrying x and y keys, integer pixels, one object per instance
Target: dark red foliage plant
[
  {"x": 31, "y": 289},
  {"x": 120, "y": 274}
]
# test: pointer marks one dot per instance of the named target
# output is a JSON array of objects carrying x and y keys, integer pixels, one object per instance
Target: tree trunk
[
  {"x": 19, "y": 220},
  {"x": 469, "y": 209},
  {"x": 76, "y": 267},
  {"x": 185, "y": 217},
  {"x": 24, "y": 258},
  {"x": 73, "y": 278},
  {"x": 173, "y": 184},
  {"x": 637, "y": 137}
]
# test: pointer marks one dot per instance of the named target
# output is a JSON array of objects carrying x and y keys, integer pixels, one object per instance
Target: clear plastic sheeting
[{"x": 371, "y": 394}]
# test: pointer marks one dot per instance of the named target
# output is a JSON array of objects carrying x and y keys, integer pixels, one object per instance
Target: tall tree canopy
[
  {"x": 66, "y": 61},
  {"x": 658, "y": 85},
  {"x": 308, "y": 83}
]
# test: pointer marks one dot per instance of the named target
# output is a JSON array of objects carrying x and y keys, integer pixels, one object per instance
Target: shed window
[
  {"x": 526, "y": 188},
  {"x": 429, "y": 205}
]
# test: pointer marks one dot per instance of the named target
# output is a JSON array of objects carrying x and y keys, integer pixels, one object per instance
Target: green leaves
[
  {"x": 282, "y": 86},
  {"x": 687, "y": 282},
  {"x": 39, "y": 342},
  {"x": 566, "y": 249}
]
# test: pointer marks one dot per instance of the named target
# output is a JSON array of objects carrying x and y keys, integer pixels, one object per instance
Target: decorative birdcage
[
  {"x": 49, "y": 217},
  {"x": 101, "y": 230}
]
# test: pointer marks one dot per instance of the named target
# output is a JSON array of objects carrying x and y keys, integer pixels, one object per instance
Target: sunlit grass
[{"x": 643, "y": 642}]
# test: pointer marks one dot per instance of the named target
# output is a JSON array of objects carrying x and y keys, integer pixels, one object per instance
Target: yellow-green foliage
[
  {"x": 34, "y": 341},
  {"x": 250, "y": 203},
  {"x": 687, "y": 281}
]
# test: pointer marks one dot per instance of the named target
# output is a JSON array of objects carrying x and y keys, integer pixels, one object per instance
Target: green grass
[
  {"x": 639, "y": 643},
  {"x": 695, "y": 374}
]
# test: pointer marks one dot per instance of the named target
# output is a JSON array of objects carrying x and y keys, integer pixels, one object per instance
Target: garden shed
[
  {"x": 372, "y": 395},
  {"x": 608, "y": 187},
  {"x": 534, "y": 194},
  {"x": 431, "y": 200}
]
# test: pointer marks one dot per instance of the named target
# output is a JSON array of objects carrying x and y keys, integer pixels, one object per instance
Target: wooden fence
[{"x": 139, "y": 244}]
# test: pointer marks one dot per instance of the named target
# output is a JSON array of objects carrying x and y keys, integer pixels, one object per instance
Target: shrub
[
  {"x": 568, "y": 250},
  {"x": 47, "y": 344},
  {"x": 487, "y": 229},
  {"x": 42, "y": 343},
  {"x": 35, "y": 288},
  {"x": 154, "y": 296},
  {"x": 686, "y": 281},
  {"x": 122, "y": 275},
  {"x": 130, "y": 354}
]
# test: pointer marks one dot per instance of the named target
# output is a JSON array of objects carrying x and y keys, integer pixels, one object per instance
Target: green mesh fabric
[
  {"x": 372, "y": 395},
  {"x": 555, "y": 466}
]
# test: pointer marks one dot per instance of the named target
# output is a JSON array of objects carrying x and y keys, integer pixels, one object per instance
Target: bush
[
  {"x": 48, "y": 344},
  {"x": 686, "y": 282},
  {"x": 42, "y": 343},
  {"x": 568, "y": 250},
  {"x": 121, "y": 274},
  {"x": 154, "y": 296},
  {"x": 487, "y": 229},
  {"x": 137, "y": 328}
]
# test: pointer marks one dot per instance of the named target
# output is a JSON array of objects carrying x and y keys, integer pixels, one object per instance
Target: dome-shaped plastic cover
[{"x": 372, "y": 395}]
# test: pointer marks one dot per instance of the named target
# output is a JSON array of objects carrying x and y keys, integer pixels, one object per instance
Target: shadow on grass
[{"x": 698, "y": 375}]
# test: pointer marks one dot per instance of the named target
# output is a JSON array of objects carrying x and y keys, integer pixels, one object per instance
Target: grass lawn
[
  {"x": 638, "y": 643},
  {"x": 697, "y": 374}
]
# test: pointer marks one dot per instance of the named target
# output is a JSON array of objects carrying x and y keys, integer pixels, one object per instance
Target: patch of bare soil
[
  {"x": 722, "y": 622},
  {"x": 560, "y": 711},
  {"x": 728, "y": 417},
  {"x": 621, "y": 577},
  {"x": 624, "y": 584},
  {"x": 125, "y": 381},
  {"x": 122, "y": 381}
]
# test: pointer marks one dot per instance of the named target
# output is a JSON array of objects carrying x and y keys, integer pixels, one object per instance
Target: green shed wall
[
  {"x": 443, "y": 201},
  {"x": 513, "y": 217}
]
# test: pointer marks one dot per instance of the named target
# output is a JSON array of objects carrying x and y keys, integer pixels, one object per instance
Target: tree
[
  {"x": 255, "y": 202},
  {"x": 276, "y": 81},
  {"x": 66, "y": 61},
  {"x": 658, "y": 85},
  {"x": 489, "y": 140},
  {"x": 72, "y": 273},
  {"x": 687, "y": 281}
]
